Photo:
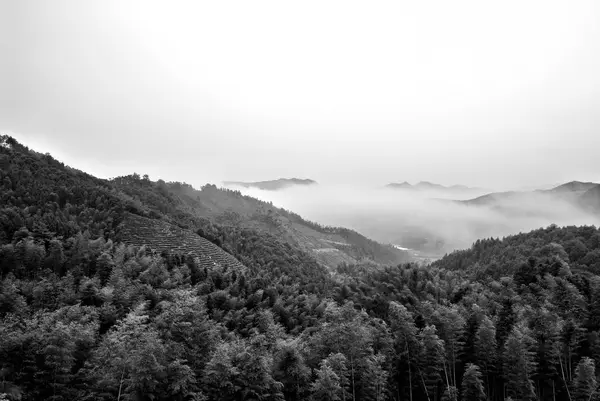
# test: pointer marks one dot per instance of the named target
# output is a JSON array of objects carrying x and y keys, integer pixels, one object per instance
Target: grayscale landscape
[{"x": 330, "y": 200}]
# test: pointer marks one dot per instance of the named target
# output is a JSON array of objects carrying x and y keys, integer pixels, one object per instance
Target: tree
[
  {"x": 132, "y": 360},
  {"x": 546, "y": 331},
  {"x": 405, "y": 333},
  {"x": 519, "y": 365},
  {"x": 505, "y": 322},
  {"x": 376, "y": 378},
  {"x": 55, "y": 258},
  {"x": 327, "y": 385},
  {"x": 450, "y": 326},
  {"x": 184, "y": 325},
  {"x": 585, "y": 380},
  {"x": 472, "y": 385},
  {"x": 431, "y": 360},
  {"x": 238, "y": 371},
  {"x": 485, "y": 349},
  {"x": 53, "y": 342},
  {"x": 104, "y": 266},
  {"x": 337, "y": 362},
  {"x": 290, "y": 369},
  {"x": 346, "y": 331}
]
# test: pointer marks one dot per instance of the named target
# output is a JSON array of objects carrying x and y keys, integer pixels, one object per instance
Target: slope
[
  {"x": 162, "y": 236},
  {"x": 577, "y": 246},
  {"x": 570, "y": 191},
  {"x": 45, "y": 199},
  {"x": 50, "y": 199},
  {"x": 329, "y": 245}
]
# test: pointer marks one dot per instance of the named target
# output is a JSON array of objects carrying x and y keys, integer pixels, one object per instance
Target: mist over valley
[{"x": 431, "y": 219}]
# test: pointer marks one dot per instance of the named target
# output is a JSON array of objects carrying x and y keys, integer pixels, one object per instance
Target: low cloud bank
[{"x": 428, "y": 221}]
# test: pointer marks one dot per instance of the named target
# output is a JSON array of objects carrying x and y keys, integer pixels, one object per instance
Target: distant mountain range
[
  {"x": 585, "y": 195},
  {"x": 430, "y": 186},
  {"x": 272, "y": 185}
]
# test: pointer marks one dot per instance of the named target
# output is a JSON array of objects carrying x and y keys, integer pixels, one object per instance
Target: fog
[
  {"x": 426, "y": 221},
  {"x": 483, "y": 93},
  {"x": 488, "y": 94}
]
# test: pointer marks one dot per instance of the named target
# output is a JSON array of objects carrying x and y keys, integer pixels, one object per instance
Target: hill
[
  {"x": 433, "y": 187},
  {"x": 573, "y": 192},
  {"x": 403, "y": 185},
  {"x": 329, "y": 245},
  {"x": 577, "y": 246},
  {"x": 590, "y": 199},
  {"x": 573, "y": 186},
  {"x": 37, "y": 187},
  {"x": 273, "y": 185}
]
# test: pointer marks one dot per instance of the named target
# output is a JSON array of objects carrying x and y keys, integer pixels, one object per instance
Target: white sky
[{"x": 493, "y": 94}]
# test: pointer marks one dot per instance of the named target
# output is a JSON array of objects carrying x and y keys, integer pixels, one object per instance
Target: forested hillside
[
  {"x": 189, "y": 207},
  {"x": 579, "y": 246},
  {"x": 87, "y": 316}
]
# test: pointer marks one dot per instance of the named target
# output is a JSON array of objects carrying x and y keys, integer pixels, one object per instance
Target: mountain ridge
[
  {"x": 573, "y": 192},
  {"x": 47, "y": 185},
  {"x": 426, "y": 185},
  {"x": 272, "y": 185}
]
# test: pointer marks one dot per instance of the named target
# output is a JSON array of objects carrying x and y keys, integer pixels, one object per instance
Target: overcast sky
[{"x": 495, "y": 94}]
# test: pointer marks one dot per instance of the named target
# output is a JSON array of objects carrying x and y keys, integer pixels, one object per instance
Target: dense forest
[{"x": 85, "y": 316}]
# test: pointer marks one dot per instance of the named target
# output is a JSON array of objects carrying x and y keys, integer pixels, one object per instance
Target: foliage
[{"x": 85, "y": 316}]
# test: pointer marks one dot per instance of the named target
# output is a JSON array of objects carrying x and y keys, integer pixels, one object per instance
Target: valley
[{"x": 438, "y": 221}]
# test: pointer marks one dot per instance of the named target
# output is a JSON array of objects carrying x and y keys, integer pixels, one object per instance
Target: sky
[{"x": 494, "y": 94}]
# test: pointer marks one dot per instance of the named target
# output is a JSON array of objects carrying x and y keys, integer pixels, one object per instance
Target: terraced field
[{"x": 159, "y": 235}]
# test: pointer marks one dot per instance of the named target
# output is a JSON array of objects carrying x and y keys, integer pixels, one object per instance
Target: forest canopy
[{"x": 84, "y": 315}]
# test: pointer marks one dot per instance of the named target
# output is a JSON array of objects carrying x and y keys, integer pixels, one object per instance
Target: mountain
[
  {"x": 573, "y": 186},
  {"x": 590, "y": 199},
  {"x": 425, "y": 185},
  {"x": 38, "y": 187},
  {"x": 403, "y": 185},
  {"x": 573, "y": 192},
  {"x": 273, "y": 185},
  {"x": 230, "y": 208},
  {"x": 430, "y": 186}
]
